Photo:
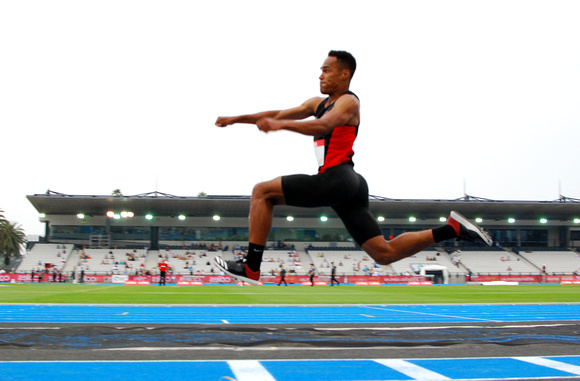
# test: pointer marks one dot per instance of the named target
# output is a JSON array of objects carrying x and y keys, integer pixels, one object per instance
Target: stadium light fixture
[
  {"x": 149, "y": 217},
  {"x": 381, "y": 219},
  {"x": 577, "y": 220},
  {"x": 323, "y": 218},
  {"x": 42, "y": 215},
  {"x": 511, "y": 220},
  {"x": 442, "y": 219},
  {"x": 216, "y": 218},
  {"x": 181, "y": 217},
  {"x": 479, "y": 220},
  {"x": 110, "y": 214},
  {"x": 80, "y": 216},
  {"x": 412, "y": 219},
  {"x": 289, "y": 218},
  {"x": 543, "y": 220},
  {"x": 116, "y": 216}
]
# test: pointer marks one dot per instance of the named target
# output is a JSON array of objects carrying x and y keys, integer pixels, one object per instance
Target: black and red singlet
[{"x": 334, "y": 148}]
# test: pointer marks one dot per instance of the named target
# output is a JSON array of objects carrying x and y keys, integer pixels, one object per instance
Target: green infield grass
[{"x": 209, "y": 295}]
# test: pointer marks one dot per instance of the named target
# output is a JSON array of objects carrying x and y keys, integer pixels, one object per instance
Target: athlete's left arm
[{"x": 345, "y": 111}]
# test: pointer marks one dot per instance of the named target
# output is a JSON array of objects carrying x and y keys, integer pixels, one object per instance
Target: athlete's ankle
[
  {"x": 444, "y": 233},
  {"x": 254, "y": 257}
]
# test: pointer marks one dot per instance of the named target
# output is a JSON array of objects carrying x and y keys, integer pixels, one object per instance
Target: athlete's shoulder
[
  {"x": 351, "y": 93},
  {"x": 314, "y": 102}
]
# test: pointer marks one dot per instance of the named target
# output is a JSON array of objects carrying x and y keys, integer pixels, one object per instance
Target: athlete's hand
[
  {"x": 223, "y": 121},
  {"x": 268, "y": 124}
]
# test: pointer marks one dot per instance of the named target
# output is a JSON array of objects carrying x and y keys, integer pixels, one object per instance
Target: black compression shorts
[{"x": 342, "y": 189}]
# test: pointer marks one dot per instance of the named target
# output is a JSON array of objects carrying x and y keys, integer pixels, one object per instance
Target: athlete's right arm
[{"x": 303, "y": 111}]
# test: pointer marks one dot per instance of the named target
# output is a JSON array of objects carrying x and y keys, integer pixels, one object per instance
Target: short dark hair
[{"x": 345, "y": 59}]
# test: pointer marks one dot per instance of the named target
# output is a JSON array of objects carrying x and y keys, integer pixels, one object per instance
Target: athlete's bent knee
[
  {"x": 268, "y": 190},
  {"x": 380, "y": 250}
]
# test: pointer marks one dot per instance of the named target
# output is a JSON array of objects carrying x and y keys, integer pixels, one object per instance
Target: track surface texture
[{"x": 391, "y": 342}]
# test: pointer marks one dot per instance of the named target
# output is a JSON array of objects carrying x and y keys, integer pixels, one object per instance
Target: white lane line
[
  {"x": 574, "y": 369},
  {"x": 414, "y": 371},
  {"x": 430, "y": 328},
  {"x": 430, "y": 314},
  {"x": 249, "y": 370}
]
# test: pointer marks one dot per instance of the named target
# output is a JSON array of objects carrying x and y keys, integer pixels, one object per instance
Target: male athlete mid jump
[{"x": 336, "y": 184}]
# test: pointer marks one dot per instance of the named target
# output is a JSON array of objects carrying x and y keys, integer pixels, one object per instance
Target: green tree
[
  {"x": 117, "y": 192},
  {"x": 12, "y": 238}
]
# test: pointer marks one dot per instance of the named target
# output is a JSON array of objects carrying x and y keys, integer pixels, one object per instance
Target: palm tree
[{"x": 12, "y": 238}]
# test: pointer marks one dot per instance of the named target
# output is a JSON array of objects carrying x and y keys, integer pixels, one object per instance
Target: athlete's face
[{"x": 332, "y": 76}]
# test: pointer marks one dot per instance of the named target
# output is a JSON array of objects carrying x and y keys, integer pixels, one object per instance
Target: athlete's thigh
[
  {"x": 356, "y": 216},
  {"x": 325, "y": 189}
]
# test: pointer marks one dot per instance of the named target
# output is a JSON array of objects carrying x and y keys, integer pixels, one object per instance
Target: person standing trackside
[
  {"x": 163, "y": 266},
  {"x": 334, "y": 129},
  {"x": 282, "y": 275},
  {"x": 333, "y": 275},
  {"x": 311, "y": 273}
]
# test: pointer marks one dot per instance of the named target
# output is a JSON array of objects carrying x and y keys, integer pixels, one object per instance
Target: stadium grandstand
[{"x": 127, "y": 236}]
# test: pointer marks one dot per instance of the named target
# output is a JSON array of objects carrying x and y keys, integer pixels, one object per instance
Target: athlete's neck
[{"x": 335, "y": 95}]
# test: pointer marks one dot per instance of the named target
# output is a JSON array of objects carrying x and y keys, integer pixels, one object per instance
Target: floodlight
[
  {"x": 381, "y": 219},
  {"x": 543, "y": 220},
  {"x": 289, "y": 218},
  {"x": 149, "y": 217},
  {"x": 181, "y": 217},
  {"x": 479, "y": 220},
  {"x": 511, "y": 220},
  {"x": 80, "y": 216},
  {"x": 323, "y": 218},
  {"x": 412, "y": 219},
  {"x": 216, "y": 218},
  {"x": 577, "y": 220},
  {"x": 110, "y": 214},
  {"x": 442, "y": 219}
]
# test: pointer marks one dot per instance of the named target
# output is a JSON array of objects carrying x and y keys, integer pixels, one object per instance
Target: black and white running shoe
[
  {"x": 238, "y": 269},
  {"x": 468, "y": 231}
]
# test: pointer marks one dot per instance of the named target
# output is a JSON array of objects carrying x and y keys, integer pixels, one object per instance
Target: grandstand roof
[{"x": 162, "y": 204}]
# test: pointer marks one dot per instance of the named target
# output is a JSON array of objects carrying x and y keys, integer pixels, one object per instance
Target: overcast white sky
[{"x": 100, "y": 95}]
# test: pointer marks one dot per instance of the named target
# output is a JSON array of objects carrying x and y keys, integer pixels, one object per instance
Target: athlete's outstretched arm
[
  {"x": 303, "y": 111},
  {"x": 345, "y": 111}
]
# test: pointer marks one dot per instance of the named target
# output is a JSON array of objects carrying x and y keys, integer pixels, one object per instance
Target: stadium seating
[
  {"x": 295, "y": 263},
  {"x": 555, "y": 262},
  {"x": 108, "y": 261},
  {"x": 498, "y": 262},
  {"x": 348, "y": 260},
  {"x": 54, "y": 254},
  {"x": 425, "y": 258},
  {"x": 185, "y": 262}
]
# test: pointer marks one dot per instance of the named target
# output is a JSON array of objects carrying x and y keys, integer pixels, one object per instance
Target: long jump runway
[{"x": 219, "y": 343}]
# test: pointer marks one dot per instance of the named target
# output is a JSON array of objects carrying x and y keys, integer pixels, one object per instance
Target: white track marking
[
  {"x": 249, "y": 370},
  {"x": 574, "y": 369},
  {"x": 414, "y": 371}
]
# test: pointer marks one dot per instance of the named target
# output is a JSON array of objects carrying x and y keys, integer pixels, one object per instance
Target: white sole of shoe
[{"x": 465, "y": 222}]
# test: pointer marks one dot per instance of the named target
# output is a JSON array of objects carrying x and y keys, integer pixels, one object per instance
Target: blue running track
[
  {"x": 287, "y": 314},
  {"x": 502, "y": 368},
  {"x": 565, "y": 367}
]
